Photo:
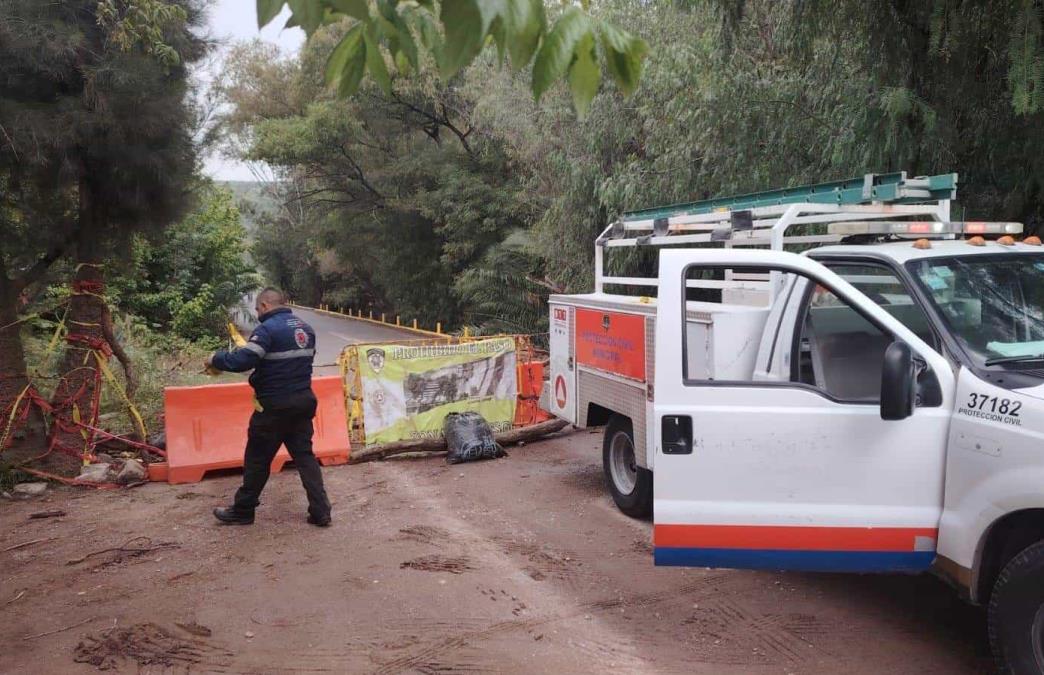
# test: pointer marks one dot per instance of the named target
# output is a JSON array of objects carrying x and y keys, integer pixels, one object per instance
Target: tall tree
[
  {"x": 96, "y": 142},
  {"x": 402, "y": 187}
]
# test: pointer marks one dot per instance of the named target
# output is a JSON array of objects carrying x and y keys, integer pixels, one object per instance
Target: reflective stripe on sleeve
[
  {"x": 292, "y": 354},
  {"x": 256, "y": 348}
]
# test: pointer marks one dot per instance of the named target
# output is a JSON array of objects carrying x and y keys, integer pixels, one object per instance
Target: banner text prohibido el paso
[{"x": 408, "y": 390}]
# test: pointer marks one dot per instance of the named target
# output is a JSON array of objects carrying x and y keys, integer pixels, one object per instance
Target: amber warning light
[{"x": 921, "y": 228}]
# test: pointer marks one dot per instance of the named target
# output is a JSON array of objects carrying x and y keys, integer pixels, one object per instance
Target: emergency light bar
[{"x": 921, "y": 228}]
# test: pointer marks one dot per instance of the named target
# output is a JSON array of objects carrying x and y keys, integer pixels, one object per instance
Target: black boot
[
  {"x": 230, "y": 516},
  {"x": 319, "y": 522}
]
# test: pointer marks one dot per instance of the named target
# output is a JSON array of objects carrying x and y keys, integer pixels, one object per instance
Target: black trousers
[{"x": 284, "y": 421}]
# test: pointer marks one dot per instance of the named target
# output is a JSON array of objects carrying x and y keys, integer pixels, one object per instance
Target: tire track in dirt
[
  {"x": 424, "y": 534},
  {"x": 147, "y": 645},
  {"x": 439, "y": 563},
  {"x": 732, "y": 633},
  {"x": 512, "y": 562},
  {"x": 599, "y": 641},
  {"x": 464, "y": 638}
]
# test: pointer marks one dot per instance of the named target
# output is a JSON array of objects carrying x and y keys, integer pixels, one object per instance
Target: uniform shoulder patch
[{"x": 301, "y": 338}]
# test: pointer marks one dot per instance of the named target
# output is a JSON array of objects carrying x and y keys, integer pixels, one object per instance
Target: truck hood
[{"x": 1036, "y": 391}]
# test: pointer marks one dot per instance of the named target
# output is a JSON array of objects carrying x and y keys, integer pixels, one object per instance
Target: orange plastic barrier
[
  {"x": 530, "y": 379},
  {"x": 530, "y": 382},
  {"x": 207, "y": 428}
]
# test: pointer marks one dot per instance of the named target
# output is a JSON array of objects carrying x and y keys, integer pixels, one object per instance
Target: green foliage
[
  {"x": 388, "y": 195},
  {"x": 130, "y": 23},
  {"x": 286, "y": 248},
  {"x": 194, "y": 316},
  {"x": 96, "y": 137},
  {"x": 564, "y": 47},
  {"x": 1027, "y": 71},
  {"x": 78, "y": 75},
  {"x": 186, "y": 279},
  {"x": 486, "y": 198},
  {"x": 161, "y": 359},
  {"x": 506, "y": 291}
]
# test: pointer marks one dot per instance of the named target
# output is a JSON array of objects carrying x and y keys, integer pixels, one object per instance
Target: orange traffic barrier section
[
  {"x": 530, "y": 382},
  {"x": 207, "y": 428}
]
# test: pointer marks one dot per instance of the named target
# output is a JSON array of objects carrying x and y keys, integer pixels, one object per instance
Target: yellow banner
[{"x": 408, "y": 390}]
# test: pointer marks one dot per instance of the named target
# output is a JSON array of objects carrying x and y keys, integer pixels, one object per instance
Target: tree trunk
[
  {"x": 24, "y": 444},
  {"x": 521, "y": 434},
  {"x": 79, "y": 390}
]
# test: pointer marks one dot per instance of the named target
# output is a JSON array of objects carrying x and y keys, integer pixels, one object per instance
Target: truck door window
[
  {"x": 838, "y": 350},
  {"x": 880, "y": 284}
]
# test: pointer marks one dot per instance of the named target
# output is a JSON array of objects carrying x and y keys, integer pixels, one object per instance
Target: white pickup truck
[{"x": 874, "y": 404}]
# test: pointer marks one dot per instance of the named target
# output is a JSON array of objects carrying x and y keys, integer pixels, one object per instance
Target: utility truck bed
[{"x": 605, "y": 345}]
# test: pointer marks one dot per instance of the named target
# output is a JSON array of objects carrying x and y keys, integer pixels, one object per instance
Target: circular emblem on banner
[
  {"x": 375, "y": 357},
  {"x": 301, "y": 338},
  {"x": 560, "y": 391}
]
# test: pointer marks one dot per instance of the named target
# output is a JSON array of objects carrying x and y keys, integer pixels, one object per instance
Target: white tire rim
[{"x": 623, "y": 466}]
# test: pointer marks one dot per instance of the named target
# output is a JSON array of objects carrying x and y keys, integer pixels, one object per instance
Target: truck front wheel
[
  {"x": 1016, "y": 613},
  {"x": 630, "y": 484}
]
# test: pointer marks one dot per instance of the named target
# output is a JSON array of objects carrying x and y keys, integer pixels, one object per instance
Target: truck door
[{"x": 800, "y": 472}]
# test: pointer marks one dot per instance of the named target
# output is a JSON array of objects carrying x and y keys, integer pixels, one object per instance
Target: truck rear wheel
[
  {"x": 1016, "y": 613},
  {"x": 630, "y": 485}
]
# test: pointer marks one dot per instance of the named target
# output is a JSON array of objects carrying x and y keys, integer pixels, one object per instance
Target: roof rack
[{"x": 765, "y": 218}]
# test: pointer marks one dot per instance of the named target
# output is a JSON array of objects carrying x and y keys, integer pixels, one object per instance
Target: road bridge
[{"x": 334, "y": 333}]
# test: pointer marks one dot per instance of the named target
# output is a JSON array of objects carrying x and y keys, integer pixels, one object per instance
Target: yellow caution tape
[
  {"x": 83, "y": 432},
  {"x": 57, "y": 335},
  {"x": 11, "y": 418},
  {"x": 139, "y": 421},
  {"x": 237, "y": 339},
  {"x": 18, "y": 321}
]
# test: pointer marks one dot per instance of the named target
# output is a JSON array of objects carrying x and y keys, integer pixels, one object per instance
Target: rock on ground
[
  {"x": 133, "y": 471},
  {"x": 96, "y": 473},
  {"x": 27, "y": 490}
]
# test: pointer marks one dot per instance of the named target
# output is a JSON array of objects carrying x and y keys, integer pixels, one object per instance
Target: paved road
[{"x": 333, "y": 333}]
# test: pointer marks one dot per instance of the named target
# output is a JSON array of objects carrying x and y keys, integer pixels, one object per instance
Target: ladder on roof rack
[
  {"x": 764, "y": 218},
  {"x": 885, "y": 188}
]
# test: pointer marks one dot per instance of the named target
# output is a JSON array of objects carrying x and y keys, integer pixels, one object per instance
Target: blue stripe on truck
[{"x": 803, "y": 561}]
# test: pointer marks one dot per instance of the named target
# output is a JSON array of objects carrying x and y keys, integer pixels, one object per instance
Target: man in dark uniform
[{"x": 280, "y": 352}]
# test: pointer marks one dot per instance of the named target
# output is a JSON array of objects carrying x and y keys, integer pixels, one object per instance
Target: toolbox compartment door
[{"x": 561, "y": 396}]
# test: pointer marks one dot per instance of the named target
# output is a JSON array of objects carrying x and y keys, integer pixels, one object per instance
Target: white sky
[{"x": 232, "y": 21}]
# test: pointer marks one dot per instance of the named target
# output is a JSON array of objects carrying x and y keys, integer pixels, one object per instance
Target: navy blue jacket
[{"x": 280, "y": 351}]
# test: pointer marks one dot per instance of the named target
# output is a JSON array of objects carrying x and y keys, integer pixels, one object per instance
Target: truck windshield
[{"x": 993, "y": 304}]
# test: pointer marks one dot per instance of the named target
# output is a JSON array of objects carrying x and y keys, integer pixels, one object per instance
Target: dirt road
[{"x": 518, "y": 565}]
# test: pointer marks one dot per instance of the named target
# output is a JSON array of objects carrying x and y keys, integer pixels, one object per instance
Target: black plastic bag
[{"x": 469, "y": 438}]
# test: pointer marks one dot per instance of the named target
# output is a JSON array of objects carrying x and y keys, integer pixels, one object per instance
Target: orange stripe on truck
[{"x": 792, "y": 538}]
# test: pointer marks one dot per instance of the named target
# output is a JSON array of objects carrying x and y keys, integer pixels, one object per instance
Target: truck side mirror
[{"x": 898, "y": 382}]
